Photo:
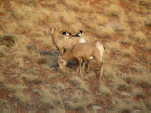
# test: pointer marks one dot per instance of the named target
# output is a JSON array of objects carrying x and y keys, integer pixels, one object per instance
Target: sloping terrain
[{"x": 29, "y": 84}]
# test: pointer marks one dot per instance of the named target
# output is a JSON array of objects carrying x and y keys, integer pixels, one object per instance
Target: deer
[
  {"x": 67, "y": 40},
  {"x": 83, "y": 52}
]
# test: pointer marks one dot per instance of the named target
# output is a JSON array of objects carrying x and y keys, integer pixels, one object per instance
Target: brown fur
[
  {"x": 82, "y": 52},
  {"x": 62, "y": 42}
]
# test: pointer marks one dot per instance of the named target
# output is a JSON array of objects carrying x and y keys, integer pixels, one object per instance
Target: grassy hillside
[{"x": 28, "y": 83}]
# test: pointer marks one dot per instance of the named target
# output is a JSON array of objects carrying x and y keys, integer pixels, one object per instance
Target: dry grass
[{"x": 29, "y": 84}]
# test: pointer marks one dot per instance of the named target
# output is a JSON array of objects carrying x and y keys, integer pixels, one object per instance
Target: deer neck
[{"x": 68, "y": 55}]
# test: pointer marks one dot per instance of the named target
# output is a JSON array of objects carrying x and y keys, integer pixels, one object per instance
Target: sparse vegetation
[{"x": 30, "y": 80}]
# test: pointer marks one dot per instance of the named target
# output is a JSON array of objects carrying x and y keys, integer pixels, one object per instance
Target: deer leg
[
  {"x": 101, "y": 70},
  {"x": 83, "y": 66},
  {"x": 87, "y": 66},
  {"x": 63, "y": 51},
  {"x": 78, "y": 70},
  {"x": 62, "y": 64},
  {"x": 80, "y": 66}
]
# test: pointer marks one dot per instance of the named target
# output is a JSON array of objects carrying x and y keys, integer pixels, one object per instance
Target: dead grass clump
[
  {"x": 148, "y": 104},
  {"x": 140, "y": 37},
  {"x": 78, "y": 83},
  {"x": 104, "y": 90},
  {"x": 19, "y": 51},
  {"x": 125, "y": 111},
  {"x": 8, "y": 40},
  {"x": 26, "y": 79},
  {"x": 144, "y": 85},
  {"x": 5, "y": 106},
  {"x": 108, "y": 30},
  {"x": 113, "y": 10},
  {"x": 19, "y": 93},
  {"x": 125, "y": 43},
  {"x": 124, "y": 88},
  {"x": 76, "y": 101},
  {"x": 148, "y": 22},
  {"x": 3, "y": 51}
]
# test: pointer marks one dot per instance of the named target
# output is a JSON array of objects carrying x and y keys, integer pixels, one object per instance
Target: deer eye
[{"x": 81, "y": 31}]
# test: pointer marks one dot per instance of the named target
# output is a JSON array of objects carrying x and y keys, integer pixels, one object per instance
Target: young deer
[{"x": 83, "y": 52}]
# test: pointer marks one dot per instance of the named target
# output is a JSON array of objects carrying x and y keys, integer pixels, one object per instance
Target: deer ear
[
  {"x": 70, "y": 34},
  {"x": 81, "y": 31}
]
